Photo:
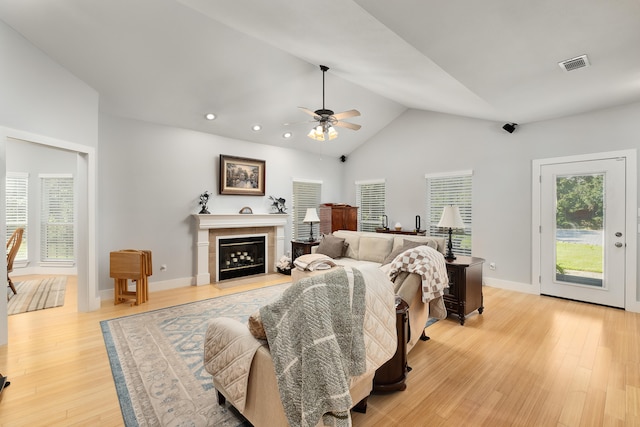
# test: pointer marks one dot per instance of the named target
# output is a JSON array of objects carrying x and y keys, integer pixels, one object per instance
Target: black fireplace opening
[{"x": 241, "y": 256}]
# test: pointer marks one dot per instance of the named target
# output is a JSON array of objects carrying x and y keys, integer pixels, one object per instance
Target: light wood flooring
[{"x": 527, "y": 361}]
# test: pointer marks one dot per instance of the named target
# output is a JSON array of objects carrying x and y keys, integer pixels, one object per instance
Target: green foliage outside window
[{"x": 580, "y": 202}]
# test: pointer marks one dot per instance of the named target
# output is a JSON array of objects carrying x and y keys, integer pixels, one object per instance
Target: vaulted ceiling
[{"x": 254, "y": 62}]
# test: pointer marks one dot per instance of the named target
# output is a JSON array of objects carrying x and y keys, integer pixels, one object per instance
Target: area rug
[
  {"x": 157, "y": 361},
  {"x": 37, "y": 295}
]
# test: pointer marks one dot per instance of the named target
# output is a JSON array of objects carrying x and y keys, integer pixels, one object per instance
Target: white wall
[
  {"x": 40, "y": 98},
  {"x": 423, "y": 142},
  {"x": 150, "y": 180}
]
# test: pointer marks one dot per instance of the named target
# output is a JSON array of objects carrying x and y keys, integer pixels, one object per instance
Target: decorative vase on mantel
[{"x": 204, "y": 199}]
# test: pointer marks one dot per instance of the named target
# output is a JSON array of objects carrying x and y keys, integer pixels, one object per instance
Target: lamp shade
[
  {"x": 311, "y": 216},
  {"x": 323, "y": 132},
  {"x": 451, "y": 218}
]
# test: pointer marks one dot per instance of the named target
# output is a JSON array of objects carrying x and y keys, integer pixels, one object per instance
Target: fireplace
[
  {"x": 240, "y": 256},
  {"x": 210, "y": 227}
]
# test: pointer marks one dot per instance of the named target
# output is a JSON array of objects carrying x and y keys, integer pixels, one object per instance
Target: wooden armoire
[{"x": 337, "y": 217}]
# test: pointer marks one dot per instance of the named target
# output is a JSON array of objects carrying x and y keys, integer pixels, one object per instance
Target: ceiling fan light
[
  {"x": 316, "y": 133},
  {"x": 332, "y": 133}
]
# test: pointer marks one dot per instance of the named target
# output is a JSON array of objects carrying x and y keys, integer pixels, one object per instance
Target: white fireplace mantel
[{"x": 205, "y": 222}]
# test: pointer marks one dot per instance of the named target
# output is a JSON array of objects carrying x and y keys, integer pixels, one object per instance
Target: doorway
[
  {"x": 583, "y": 228},
  {"x": 87, "y": 298}
]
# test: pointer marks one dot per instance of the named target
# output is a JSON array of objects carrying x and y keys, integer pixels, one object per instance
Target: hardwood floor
[{"x": 528, "y": 361}]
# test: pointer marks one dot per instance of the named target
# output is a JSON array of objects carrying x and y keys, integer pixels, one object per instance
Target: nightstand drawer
[{"x": 451, "y": 304}]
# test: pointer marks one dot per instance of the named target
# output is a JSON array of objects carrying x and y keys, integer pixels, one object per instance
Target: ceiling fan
[{"x": 327, "y": 119}]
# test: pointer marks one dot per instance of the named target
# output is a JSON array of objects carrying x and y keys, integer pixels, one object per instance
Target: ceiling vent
[{"x": 574, "y": 63}]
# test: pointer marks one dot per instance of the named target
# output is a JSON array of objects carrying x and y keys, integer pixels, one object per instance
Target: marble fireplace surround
[{"x": 211, "y": 225}]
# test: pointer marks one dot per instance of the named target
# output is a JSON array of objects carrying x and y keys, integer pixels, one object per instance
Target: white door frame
[
  {"x": 632, "y": 293},
  {"x": 88, "y": 299}
]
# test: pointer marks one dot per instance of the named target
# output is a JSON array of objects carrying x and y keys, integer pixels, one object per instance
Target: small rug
[
  {"x": 430, "y": 321},
  {"x": 37, "y": 295},
  {"x": 157, "y": 361}
]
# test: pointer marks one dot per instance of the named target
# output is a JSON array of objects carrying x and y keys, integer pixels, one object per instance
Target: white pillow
[{"x": 374, "y": 249}]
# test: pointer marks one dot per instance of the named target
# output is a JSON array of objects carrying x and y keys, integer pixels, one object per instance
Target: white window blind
[
  {"x": 57, "y": 219},
  {"x": 306, "y": 194},
  {"x": 453, "y": 188},
  {"x": 370, "y": 199},
  {"x": 17, "y": 208}
]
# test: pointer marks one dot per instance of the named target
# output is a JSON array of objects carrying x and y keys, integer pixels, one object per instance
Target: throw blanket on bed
[
  {"x": 315, "y": 335},
  {"x": 426, "y": 262},
  {"x": 312, "y": 262}
]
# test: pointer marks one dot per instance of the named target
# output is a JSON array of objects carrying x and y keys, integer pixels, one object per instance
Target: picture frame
[{"x": 242, "y": 176}]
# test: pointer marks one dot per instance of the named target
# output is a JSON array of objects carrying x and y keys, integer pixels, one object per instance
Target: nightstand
[
  {"x": 464, "y": 294},
  {"x": 301, "y": 247}
]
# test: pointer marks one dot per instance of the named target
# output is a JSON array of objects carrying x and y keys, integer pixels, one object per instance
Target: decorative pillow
[
  {"x": 352, "y": 238},
  {"x": 345, "y": 249},
  {"x": 408, "y": 244},
  {"x": 374, "y": 249},
  {"x": 331, "y": 246},
  {"x": 255, "y": 326},
  {"x": 437, "y": 243}
]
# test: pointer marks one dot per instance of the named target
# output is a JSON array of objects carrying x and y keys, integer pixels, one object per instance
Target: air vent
[{"x": 574, "y": 63}]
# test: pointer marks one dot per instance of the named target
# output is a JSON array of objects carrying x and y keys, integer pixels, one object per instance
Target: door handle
[
  {"x": 618, "y": 234},
  {"x": 618, "y": 245}
]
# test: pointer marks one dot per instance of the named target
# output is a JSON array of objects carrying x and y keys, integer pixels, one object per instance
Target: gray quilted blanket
[{"x": 315, "y": 335}]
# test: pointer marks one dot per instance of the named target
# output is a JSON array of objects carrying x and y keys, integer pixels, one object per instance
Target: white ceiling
[{"x": 254, "y": 61}]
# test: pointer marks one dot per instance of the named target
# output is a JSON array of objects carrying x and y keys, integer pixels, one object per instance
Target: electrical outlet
[
  {"x": 163, "y": 267},
  {"x": 492, "y": 266}
]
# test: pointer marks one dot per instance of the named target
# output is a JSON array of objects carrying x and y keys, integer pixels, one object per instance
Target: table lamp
[
  {"x": 450, "y": 219},
  {"x": 310, "y": 218}
]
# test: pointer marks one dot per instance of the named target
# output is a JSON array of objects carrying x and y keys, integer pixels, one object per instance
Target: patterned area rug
[
  {"x": 157, "y": 361},
  {"x": 37, "y": 295}
]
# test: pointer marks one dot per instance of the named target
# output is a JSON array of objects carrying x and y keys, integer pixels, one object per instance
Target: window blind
[
  {"x": 453, "y": 188},
  {"x": 57, "y": 219},
  {"x": 370, "y": 199},
  {"x": 306, "y": 194},
  {"x": 17, "y": 209}
]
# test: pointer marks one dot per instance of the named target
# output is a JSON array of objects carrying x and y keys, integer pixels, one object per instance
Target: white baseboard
[
  {"x": 43, "y": 270},
  {"x": 632, "y": 306},
  {"x": 163, "y": 285},
  {"x": 526, "y": 288}
]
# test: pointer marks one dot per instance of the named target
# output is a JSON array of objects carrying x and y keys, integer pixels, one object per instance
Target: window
[
  {"x": 17, "y": 185},
  {"x": 306, "y": 194},
  {"x": 370, "y": 198},
  {"x": 57, "y": 220},
  {"x": 450, "y": 189}
]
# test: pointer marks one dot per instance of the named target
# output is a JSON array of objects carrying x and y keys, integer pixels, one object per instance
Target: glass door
[{"x": 582, "y": 236}]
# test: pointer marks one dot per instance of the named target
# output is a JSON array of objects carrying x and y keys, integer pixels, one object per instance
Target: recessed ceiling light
[
  {"x": 287, "y": 135},
  {"x": 256, "y": 128},
  {"x": 210, "y": 116}
]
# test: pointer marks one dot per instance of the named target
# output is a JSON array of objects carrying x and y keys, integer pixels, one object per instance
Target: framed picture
[{"x": 241, "y": 176}]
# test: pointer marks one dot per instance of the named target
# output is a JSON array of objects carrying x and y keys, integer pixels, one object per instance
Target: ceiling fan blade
[
  {"x": 347, "y": 125},
  {"x": 297, "y": 123},
  {"x": 309, "y": 112},
  {"x": 346, "y": 114}
]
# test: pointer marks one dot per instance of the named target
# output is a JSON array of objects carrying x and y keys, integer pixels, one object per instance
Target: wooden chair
[
  {"x": 13, "y": 245},
  {"x": 134, "y": 265}
]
